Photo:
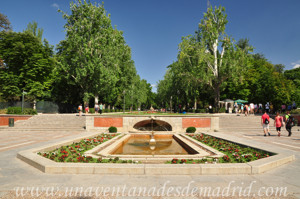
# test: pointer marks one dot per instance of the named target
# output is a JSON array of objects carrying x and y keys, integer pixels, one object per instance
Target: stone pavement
[{"x": 15, "y": 174}]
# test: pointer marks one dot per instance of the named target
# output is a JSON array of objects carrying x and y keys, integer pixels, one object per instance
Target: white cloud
[
  {"x": 55, "y": 5},
  {"x": 154, "y": 88},
  {"x": 296, "y": 64}
]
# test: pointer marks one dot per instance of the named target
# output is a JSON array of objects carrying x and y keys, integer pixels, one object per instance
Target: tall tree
[
  {"x": 219, "y": 49},
  {"x": 94, "y": 55},
  {"x": 33, "y": 29},
  {"x": 28, "y": 66},
  {"x": 4, "y": 23}
]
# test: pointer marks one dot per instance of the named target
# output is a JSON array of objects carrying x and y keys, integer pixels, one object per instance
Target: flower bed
[
  {"x": 75, "y": 151},
  {"x": 233, "y": 152}
]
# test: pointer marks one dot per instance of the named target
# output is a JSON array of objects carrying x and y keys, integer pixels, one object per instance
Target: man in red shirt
[{"x": 265, "y": 120}]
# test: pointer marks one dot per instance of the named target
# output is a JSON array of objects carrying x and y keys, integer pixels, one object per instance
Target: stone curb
[{"x": 256, "y": 167}]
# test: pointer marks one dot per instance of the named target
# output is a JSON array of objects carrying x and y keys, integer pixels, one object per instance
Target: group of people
[
  {"x": 258, "y": 108},
  {"x": 252, "y": 108},
  {"x": 279, "y": 121},
  {"x": 98, "y": 108}
]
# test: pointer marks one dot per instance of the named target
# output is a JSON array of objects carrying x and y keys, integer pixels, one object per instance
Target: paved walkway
[{"x": 15, "y": 174}]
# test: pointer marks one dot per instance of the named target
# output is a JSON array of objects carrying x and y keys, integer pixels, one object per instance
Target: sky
[{"x": 154, "y": 28}]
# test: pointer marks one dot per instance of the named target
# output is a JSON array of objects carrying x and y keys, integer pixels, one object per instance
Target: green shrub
[
  {"x": 203, "y": 110},
  {"x": 14, "y": 110},
  {"x": 18, "y": 111},
  {"x": 295, "y": 111},
  {"x": 3, "y": 111},
  {"x": 92, "y": 110},
  {"x": 222, "y": 110},
  {"x": 29, "y": 111},
  {"x": 191, "y": 129},
  {"x": 112, "y": 129}
]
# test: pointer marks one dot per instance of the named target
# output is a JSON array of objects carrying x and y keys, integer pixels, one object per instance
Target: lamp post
[
  {"x": 124, "y": 102},
  {"x": 171, "y": 105},
  {"x": 23, "y": 93}
]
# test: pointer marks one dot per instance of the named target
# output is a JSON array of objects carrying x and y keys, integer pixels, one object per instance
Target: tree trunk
[
  {"x": 217, "y": 97},
  {"x": 34, "y": 104},
  {"x": 96, "y": 100}
]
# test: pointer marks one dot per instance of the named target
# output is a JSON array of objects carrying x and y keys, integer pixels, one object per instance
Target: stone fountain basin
[
  {"x": 255, "y": 167},
  {"x": 196, "y": 150}
]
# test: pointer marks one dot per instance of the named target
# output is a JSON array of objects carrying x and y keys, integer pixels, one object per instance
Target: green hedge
[
  {"x": 18, "y": 111},
  {"x": 92, "y": 110},
  {"x": 112, "y": 129},
  {"x": 222, "y": 110},
  {"x": 191, "y": 129}
]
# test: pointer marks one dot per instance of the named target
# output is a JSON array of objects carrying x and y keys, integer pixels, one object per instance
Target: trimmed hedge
[
  {"x": 18, "y": 111},
  {"x": 112, "y": 129},
  {"x": 191, "y": 129}
]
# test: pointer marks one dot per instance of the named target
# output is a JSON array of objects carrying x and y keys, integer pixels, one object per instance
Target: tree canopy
[
  {"x": 4, "y": 23},
  {"x": 27, "y": 66},
  {"x": 211, "y": 66}
]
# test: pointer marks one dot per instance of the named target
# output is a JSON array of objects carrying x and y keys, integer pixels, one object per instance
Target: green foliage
[
  {"x": 222, "y": 110},
  {"x": 33, "y": 29},
  {"x": 210, "y": 66},
  {"x": 18, "y": 111},
  {"x": 201, "y": 69},
  {"x": 29, "y": 111},
  {"x": 191, "y": 129},
  {"x": 14, "y": 110},
  {"x": 112, "y": 129},
  {"x": 28, "y": 66},
  {"x": 4, "y": 23},
  {"x": 295, "y": 111},
  {"x": 74, "y": 152},
  {"x": 95, "y": 61},
  {"x": 234, "y": 152}
]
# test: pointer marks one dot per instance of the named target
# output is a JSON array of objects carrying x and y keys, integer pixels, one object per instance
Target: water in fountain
[{"x": 152, "y": 141}]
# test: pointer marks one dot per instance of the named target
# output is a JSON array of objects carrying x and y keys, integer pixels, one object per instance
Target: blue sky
[{"x": 153, "y": 28}]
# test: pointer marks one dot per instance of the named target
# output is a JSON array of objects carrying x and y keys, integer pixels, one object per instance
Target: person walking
[
  {"x": 260, "y": 107},
  {"x": 246, "y": 109},
  {"x": 289, "y": 122},
  {"x": 265, "y": 120},
  {"x": 80, "y": 109},
  {"x": 236, "y": 108},
  {"x": 96, "y": 108},
  {"x": 100, "y": 108},
  {"x": 278, "y": 123},
  {"x": 267, "y": 107},
  {"x": 87, "y": 109}
]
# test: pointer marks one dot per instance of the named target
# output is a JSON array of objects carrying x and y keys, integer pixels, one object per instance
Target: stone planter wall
[
  {"x": 5, "y": 118},
  {"x": 126, "y": 123}
]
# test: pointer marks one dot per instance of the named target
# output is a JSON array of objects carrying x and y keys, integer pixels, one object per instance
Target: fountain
[
  {"x": 152, "y": 141},
  {"x": 152, "y": 125}
]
